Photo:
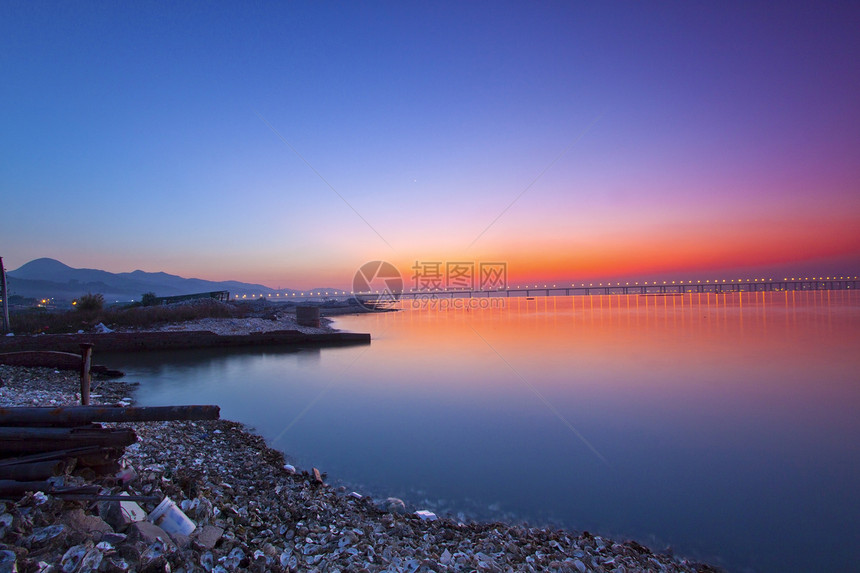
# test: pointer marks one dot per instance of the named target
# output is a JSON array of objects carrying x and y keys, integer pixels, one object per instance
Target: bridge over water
[{"x": 649, "y": 288}]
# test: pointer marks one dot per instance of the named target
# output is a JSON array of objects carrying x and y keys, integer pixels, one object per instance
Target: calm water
[{"x": 725, "y": 426}]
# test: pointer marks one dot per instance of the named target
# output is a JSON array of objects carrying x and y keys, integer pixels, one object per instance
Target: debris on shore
[{"x": 252, "y": 511}]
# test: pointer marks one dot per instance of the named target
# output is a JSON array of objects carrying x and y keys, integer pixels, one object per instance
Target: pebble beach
[{"x": 254, "y": 511}]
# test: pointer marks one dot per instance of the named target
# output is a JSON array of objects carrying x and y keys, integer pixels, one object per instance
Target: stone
[
  {"x": 208, "y": 536},
  {"x": 72, "y": 558},
  {"x": 87, "y": 524},
  {"x": 391, "y": 505},
  {"x": 8, "y": 561},
  {"x": 114, "y": 538},
  {"x": 91, "y": 561},
  {"x": 232, "y": 561},
  {"x": 47, "y": 537},
  {"x": 149, "y": 533},
  {"x": 181, "y": 541},
  {"x": 111, "y": 513}
]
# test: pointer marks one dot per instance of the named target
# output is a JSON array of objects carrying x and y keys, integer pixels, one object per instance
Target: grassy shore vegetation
[{"x": 90, "y": 311}]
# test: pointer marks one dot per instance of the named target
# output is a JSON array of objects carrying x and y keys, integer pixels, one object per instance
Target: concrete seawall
[{"x": 133, "y": 341}]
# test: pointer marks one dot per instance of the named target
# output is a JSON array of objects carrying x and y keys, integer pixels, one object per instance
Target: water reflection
[{"x": 727, "y": 422}]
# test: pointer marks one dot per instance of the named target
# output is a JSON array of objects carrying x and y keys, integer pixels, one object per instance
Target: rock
[
  {"x": 232, "y": 561},
  {"x": 391, "y": 505},
  {"x": 8, "y": 561},
  {"x": 426, "y": 515},
  {"x": 117, "y": 565},
  {"x": 114, "y": 538},
  {"x": 51, "y": 536},
  {"x": 87, "y": 524},
  {"x": 641, "y": 549},
  {"x": 208, "y": 536},
  {"x": 111, "y": 513},
  {"x": 153, "y": 560},
  {"x": 148, "y": 533},
  {"x": 207, "y": 561},
  {"x": 91, "y": 561},
  {"x": 72, "y": 558},
  {"x": 182, "y": 541}
]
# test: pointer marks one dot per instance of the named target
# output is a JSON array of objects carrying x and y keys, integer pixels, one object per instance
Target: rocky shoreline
[{"x": 254, "y": 512}]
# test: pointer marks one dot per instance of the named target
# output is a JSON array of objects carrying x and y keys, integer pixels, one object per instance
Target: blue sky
[{"x": 160, "y": 136}]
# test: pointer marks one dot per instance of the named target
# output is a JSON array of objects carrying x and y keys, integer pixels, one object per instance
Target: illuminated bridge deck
[{"x": 648, "y": 288}]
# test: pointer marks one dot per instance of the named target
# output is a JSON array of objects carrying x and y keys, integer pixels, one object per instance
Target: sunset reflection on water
[{"x": 725, "y": 425}]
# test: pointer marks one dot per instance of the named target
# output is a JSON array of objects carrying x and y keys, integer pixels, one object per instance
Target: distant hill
[{"x": 46, "y": 277}]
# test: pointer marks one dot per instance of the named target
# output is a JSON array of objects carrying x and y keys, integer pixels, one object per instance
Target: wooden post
[
  {"x": 86, "y": 358},
  {"x": 5, "y": 296}
]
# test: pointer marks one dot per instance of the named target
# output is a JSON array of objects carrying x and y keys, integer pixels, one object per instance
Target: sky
[{"x": 288, "y": 143}]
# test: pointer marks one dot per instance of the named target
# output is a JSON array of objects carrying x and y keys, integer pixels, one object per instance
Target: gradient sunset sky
[{"x": 288, "y": 143}]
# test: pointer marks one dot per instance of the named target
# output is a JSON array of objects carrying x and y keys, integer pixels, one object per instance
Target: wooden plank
[
  {"x": 86, "y": 360},
  {"x": 60, "y": 454},
  {"x": 78, "y": 415},
  {"x": 27, "y": 440},
  {"x": 32, "y": 471}
]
